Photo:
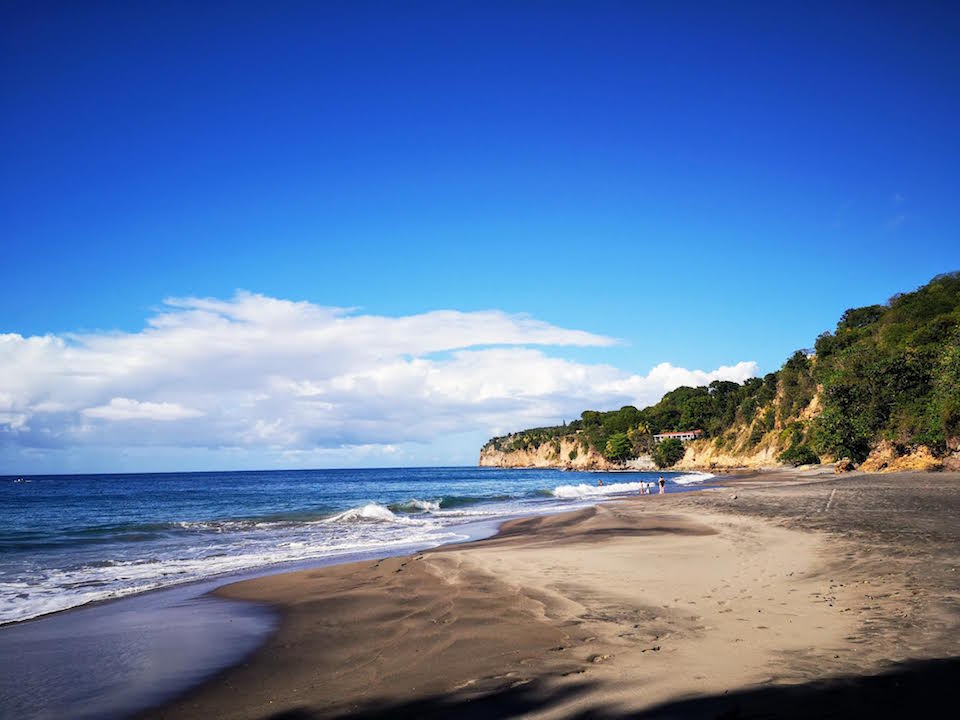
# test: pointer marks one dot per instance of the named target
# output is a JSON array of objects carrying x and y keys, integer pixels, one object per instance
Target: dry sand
[{"x": 747, "y": 601}]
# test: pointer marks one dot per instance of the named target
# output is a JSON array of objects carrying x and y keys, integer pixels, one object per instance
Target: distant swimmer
[
  {"x": 663, "y": 485},
  {"x": 599, "y": 482}
]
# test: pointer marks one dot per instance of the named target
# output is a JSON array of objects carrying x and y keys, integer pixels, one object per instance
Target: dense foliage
[
  {"x": 892, "y": 372},
  {"x": 620, "y": 435},
  {"x": 799, "y": 455},
  {"x": 618, "y": 447},
  {"x": 668, "y": 453},
  {"x": 888, "y": 372}
]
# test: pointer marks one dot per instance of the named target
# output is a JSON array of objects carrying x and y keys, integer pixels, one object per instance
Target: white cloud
[
  {"x": 127, "y": 409},
  {"x": 293, "y": 378}
]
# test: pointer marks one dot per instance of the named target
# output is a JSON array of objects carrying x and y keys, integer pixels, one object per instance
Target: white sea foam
[
  {"x": 576, "y": 492},
  {"x": 491, "y": 512},
  {"x": 371, "y": 512},
  {"x": 60, "y": 589},
  {"x": 584, "y": 491},
  {"x": 691, "y": 478},
  {"x": 219, "y": 526},
  {"x": 417, "y": 505}
]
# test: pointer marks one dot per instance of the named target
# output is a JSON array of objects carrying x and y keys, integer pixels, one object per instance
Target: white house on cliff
[{"x": 684, "y": 435}]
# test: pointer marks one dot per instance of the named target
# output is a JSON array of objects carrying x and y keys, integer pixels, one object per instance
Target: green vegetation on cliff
[
  {"x": 668, "y": 453},
  {"x": 887, "y": 373},
  {"x": 892, "y": 372}
]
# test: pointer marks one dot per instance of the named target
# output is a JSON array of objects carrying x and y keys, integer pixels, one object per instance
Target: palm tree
[{"x": 640, "y": 437}]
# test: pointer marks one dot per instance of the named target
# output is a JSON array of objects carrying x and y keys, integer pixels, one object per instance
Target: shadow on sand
[{"x": 913, "y": 689}]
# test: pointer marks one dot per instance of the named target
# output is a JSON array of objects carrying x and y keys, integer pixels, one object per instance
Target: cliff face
[
  {"x": 879, "y": 392},
  {"x": 704, "y": 455},
  {"x": 734, "y": 451},
  {"x": 566, "y": 453}
]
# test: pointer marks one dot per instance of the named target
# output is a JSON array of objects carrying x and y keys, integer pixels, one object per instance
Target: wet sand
[{"x": 779, "y": 594}]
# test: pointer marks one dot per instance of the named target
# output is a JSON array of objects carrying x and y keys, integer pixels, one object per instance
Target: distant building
[{"x": 684, "y": 435}]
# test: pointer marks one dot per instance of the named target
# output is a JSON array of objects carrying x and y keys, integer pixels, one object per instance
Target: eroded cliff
[{"x": 568, "y": 453}]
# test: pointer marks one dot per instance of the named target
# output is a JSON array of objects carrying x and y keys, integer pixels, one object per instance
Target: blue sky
[{"x": 708, "y": 184}]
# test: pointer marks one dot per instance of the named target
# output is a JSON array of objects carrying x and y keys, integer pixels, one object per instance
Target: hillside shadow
[
  {"x": 922, "y": 688},
  {"x": 509, "y": 702},
  {"x": 912, "y": 689}
]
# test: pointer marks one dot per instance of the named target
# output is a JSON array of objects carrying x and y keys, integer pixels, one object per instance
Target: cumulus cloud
[
  {"x": 289, "y": 377},
  {"x": 127, "y": 409}
]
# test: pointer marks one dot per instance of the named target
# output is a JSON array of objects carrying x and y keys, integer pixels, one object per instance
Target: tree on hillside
[
  {"x": 640, "y": 438},
  {"x": 668, "y": 453},
  {"x": 799, "y": 455},
  {"x": 618, "y": 448},
  {"x": 796, "y": 384}
]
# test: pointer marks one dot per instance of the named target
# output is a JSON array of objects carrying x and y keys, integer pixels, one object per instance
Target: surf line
[{"x": 830, "y": 499}]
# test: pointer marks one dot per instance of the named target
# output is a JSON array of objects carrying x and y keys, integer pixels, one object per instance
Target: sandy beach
[{"x": 779, "y": 594}]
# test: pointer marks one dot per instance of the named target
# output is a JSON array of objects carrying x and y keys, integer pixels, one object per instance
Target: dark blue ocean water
[{"x": 69, "y": 540}]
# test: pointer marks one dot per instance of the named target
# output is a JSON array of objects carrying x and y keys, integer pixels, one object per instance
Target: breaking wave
[
  {"x": 575, "y": 492},
  {"x": 690, "y": 478},
  {"x": 371, "y": 512},
  {"x": 582, "y": 491},
  {"x": 415, "y": 506}
]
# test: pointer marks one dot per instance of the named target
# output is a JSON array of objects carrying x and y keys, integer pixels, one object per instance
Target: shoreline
[
  {"x": 523, "y": 530},
  {"x": 231, "y": 576},
  {"x": 287, "y": 565},
  {"x": 75, "y": 630},
  {"x": 165, "y": 616},
  {"x": 480, "y": 646}
]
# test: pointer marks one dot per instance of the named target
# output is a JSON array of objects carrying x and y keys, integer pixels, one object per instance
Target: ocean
[{"x": 69, "y": 540}]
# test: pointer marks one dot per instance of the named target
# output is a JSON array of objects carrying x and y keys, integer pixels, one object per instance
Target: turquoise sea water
[{"x": 69, "y": 540}]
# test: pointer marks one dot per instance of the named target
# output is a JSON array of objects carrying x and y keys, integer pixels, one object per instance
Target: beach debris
[
  {"x": 843, "y": 465},
  {"x": 599, "y": 658}
]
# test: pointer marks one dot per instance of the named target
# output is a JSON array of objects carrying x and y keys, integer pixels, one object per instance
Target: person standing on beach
[{"x": 663, "y": 485}]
